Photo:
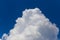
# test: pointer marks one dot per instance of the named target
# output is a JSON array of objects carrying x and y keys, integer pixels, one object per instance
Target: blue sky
[{"x": 10, "y": 10}]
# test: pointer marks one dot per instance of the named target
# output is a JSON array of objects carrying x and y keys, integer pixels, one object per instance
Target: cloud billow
[{"x": 33, "y": 25}]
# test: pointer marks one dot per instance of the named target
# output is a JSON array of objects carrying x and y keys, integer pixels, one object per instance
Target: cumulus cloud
[{"x": 33, "y": 25}]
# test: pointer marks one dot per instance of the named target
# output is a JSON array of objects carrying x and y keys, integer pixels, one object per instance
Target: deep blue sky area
[{"x": 10, "y": 10}]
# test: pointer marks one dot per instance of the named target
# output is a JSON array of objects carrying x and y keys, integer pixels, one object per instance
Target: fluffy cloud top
[{"x": 33, "y": 25}]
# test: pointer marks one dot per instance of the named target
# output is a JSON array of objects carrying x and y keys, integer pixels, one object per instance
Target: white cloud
[{"x": 33, "y": 25}]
